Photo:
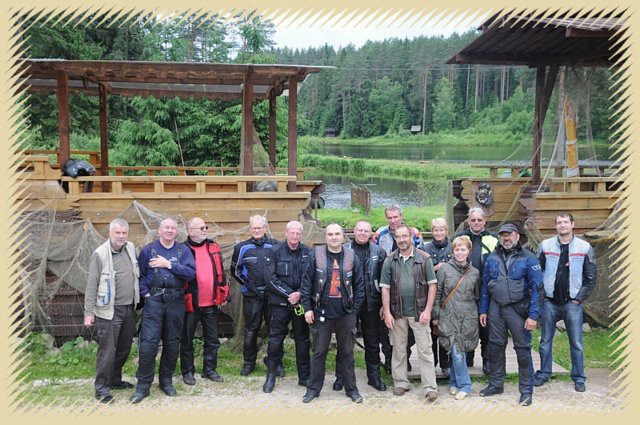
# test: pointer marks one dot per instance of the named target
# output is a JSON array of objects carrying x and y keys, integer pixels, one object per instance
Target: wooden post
[
  {"x": 104, "y": 136},
  {"x": 272, "y": 128},
  {"x": 544, "y": 88},
  {"x": 63, "y": 117},
  {"x": 293, "y": 131},
  {"x": 246, "y": 152}
]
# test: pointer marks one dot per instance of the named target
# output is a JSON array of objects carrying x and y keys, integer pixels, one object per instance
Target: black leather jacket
[
  {"x": 315, "y": 293},
  {"x": 284, "y": 274},
  {"x": 372, "y": 268}
]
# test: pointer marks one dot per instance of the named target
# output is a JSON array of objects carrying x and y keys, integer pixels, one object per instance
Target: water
[
  {"x": 448, "y": 153},
  {"x": 386, "y": 191}
]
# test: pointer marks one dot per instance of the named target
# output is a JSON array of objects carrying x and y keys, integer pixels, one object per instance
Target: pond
[
  {"x": 384, "y": 191},
  {"x": 449, "y": 152}
]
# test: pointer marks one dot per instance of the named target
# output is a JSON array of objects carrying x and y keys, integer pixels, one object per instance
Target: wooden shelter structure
[
  {"x": 169, "y": 79},
  {"x": 545, "y": 43},
  {"x": 191, "y": 193}
]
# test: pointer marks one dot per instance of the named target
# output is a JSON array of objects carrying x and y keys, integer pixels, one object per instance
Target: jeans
[
  {"x": 572, "y": 315},
  {"x": 459, "y": 375}
]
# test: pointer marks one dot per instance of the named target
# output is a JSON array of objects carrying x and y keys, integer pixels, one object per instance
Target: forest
[{"x": 390, "y": 87}]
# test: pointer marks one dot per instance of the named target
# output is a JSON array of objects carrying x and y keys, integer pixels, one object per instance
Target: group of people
[{"x": 445, "y": 297}]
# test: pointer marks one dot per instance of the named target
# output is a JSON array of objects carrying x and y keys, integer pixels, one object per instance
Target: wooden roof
[
  {"x": 170, "y": 79},
  {"x": 539, "y": 41}
]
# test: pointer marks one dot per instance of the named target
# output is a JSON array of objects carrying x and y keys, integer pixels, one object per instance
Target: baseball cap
[{"x": 508, "y": 228}]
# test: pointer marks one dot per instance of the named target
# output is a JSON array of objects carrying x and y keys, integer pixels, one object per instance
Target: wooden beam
[
  {"x": 293, "y": 130},
  {"x": 272, "y": 127},
  {"x": 246, "y": 158},
  {"x": 104, "y": 136},
  {"x": 63, "y": 117}
]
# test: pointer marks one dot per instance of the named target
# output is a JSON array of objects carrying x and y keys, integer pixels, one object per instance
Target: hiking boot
[
  {"x": 169, "y": 390},
  {"x": 338, "y": 385},
  {"x": 431, "y": 396},
  {"x": 188, "y": 378},
  {"x": 247, "y": 369},
  {"x": 525, "y": 399},
  {"x": 580, "y": 387},
  {"x": 538, "y": 382},
  {"x": 491, "y": 391},
  {"x": 399, "y": 391},
  {"x": 213, "y": 376},
  {"x": 308, "y": 397},
  {"x": 355, "y": 397},
  {"x": 377, "y": 383}
]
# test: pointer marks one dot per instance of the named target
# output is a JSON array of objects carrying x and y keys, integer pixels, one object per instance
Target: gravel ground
[{"x": 244, "y": 395}]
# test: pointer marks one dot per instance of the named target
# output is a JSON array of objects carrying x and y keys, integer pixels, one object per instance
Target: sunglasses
[{"x": 203, "y": 228}]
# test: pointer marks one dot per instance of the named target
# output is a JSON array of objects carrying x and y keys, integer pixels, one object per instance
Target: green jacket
[{"x": 458, "y": 321}]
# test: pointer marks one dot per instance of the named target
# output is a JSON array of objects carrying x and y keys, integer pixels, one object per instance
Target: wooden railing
[
  {"x": 516, "y": 169},
  {"x": 172, "y": 185},
  {"x": 147, "y": 170}
]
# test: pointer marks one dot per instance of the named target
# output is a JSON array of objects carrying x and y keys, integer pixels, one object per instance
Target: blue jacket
[
  {"x": 509, "y": 278},
  {"x": 384, "y": 238},
  {"x": 183, "y": 267},
  {"x": 249, "y": 263},
  {"x": 582, "y": 267}
]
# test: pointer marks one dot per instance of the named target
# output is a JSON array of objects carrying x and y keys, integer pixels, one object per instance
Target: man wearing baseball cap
[{"x": 509, "y": 304}]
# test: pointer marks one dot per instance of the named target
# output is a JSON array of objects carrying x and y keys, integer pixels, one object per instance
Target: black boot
[
  {"x": 373, "y": 373},
  {"x": 270, "y": 382}
]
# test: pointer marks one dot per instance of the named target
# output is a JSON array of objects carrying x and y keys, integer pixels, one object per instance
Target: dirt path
[{"x": 244, "y": 394}]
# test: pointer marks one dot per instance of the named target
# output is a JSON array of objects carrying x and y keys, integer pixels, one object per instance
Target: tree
[{"x": 444, "y": 114}]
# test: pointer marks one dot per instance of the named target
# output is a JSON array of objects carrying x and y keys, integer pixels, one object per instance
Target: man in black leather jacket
[
  {"x": 284, "y": 278},
  {"x": 332, "y": 292}
]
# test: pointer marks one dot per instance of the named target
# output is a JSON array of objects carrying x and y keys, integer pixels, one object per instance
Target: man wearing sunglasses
[{"x": 203, "y": 296}]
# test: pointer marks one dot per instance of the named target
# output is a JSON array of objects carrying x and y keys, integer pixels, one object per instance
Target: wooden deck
[{"x": 228, "y": 201}]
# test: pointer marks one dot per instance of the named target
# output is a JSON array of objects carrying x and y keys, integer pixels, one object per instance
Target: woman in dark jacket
[{"x": 456, "y": 313}]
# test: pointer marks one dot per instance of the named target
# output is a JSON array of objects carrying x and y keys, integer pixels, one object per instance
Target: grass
[{"x": 419, "y": 217}]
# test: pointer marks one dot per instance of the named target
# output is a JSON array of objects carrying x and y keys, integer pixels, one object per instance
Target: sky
[{"x": 341, "y": 31}]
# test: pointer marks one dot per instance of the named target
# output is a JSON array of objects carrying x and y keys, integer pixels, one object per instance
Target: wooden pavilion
[
  {"x": 546, "y": 44},
  {"x": 234, "y": 196}
]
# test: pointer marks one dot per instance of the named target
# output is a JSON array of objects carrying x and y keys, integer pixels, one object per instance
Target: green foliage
[{"x": 444, "y": 114}]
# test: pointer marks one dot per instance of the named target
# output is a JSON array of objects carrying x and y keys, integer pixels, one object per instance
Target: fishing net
[{"x": 56, "y": 248}]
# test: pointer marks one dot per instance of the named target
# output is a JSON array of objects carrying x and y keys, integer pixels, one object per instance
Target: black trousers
[
  {"x": 345, "y": 330},
  {"x": 254, "y": 310},
  {"x": 278, "y": 331},
  {"x": 369, "y": 322},
  {"x": 440, "y": 355},
  {"x": 162, "y": 318},
  {"x": 503, "y": 319},
  {"x": 208, "y": 317},
  {"x": 114, "y": 345}
]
